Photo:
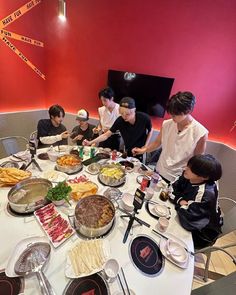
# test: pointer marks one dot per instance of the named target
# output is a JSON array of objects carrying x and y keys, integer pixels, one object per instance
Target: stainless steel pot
[
  {"x": 69, "y": 168},
  {"x": 88, "y": 231},
  {"x": 36, "y": 188}
]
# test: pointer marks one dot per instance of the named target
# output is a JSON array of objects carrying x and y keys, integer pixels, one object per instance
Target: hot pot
[
  {"x": 29, "y": 195},
  {"x": 94, "y": 216}
]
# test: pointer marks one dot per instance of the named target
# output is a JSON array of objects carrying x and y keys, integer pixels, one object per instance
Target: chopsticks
[
  {"x": 121, "y": 284},
  {"x": 165, "y": 237},
  {"x": 126, "y": 284}
]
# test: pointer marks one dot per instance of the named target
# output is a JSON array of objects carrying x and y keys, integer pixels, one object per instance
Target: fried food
[
  {"x": 83, "y": 189},
  {"x": 68, "y": 160},
  {"x": 11, "y": 176}
]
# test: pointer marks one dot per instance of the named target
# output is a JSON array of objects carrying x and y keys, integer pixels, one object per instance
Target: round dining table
[{"x": 171, "y": 280}]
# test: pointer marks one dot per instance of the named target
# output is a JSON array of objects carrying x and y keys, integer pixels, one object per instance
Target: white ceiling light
[{"x": 62, "y": 10}]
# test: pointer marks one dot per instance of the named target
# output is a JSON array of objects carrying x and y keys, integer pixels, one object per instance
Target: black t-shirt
[
  {"x": 134, "y": 135},
  {"x": 46, "y": 128},
  {"x": 87, "y": 134}
]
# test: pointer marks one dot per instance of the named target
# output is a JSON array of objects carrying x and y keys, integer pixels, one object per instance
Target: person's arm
[
  {"x": 201, "y": 145},
  {"x": 150, "y": 147},
  {"x": 148, "y": 138},
  {"x": 100, "y": 138},
  {"x": 54, "y": 138}
]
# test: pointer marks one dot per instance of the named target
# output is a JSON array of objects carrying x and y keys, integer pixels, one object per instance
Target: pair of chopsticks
[
  {"x": 126, "y": 284},
  {"x": 163, "y": 236}
]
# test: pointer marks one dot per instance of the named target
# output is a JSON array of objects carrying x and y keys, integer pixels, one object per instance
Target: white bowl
[
  {"x": 176, "y": 251},
  {"x": 127, "y": 201},
  {"x": 161, "y": 210},
  {"x": 53, "y": 155}
]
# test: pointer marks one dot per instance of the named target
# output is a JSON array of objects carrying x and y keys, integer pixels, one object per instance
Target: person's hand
[
  {"x": 65, "y": 134},
  {"x": 86, "y": 142},
  {"x": 183, "y": 202},
  {"x": 79, "y": 137},
  {"x": 96, "y": 130},
  {"x": 138, "y": 151}
]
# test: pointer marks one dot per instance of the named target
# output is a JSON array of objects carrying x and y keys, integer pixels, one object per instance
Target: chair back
[
  {"x": 11, "y": 145},
  {"x": 229, "y": 217}
]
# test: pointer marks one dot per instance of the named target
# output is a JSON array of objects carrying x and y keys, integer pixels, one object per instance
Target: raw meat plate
[{"x": 56, "y": 227}]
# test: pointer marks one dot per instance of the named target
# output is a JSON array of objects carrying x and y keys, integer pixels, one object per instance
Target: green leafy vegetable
[{"x": 59, "y": 192}]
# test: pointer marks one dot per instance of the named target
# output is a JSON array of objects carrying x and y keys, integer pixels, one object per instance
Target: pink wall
[{"x": 192, "y": 41}]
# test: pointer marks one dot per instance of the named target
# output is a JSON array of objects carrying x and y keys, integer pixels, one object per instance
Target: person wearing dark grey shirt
[
  {"x": 134, "y": 127},
  {"x": 52, "y": 131},
  {"x": 84, "y": 130}
]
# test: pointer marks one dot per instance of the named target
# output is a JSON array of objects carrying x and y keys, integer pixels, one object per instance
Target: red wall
[
  {"x": 20, "y": 87},
  {"x": 192, "y": 41}
]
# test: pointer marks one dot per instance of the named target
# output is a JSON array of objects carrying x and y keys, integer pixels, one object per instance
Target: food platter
[
  {"x": 83, "y": 189},
  {"x": 11, "y": 176},
  {"x": 94, "y": 216},
  {"x": 87, "y": 257},
  {"x": 112, "y": 175},
  {"x": 54, "y": 176},
  {"x": 69, "y": 164},
  {"x": 57, "y": 228}
]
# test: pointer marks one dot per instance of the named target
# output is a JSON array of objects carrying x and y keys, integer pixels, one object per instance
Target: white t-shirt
[
  {"x": 178, "y": 148},
  {"x": 107, "y": 118}
]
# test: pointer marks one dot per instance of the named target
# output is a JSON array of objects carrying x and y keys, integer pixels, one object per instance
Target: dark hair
[
  {"x": 181, "y": 103},
  {"x": 106, "y": 92},
  {"x": 205, "y": 166},
  {"x": 55, "y": 110}
]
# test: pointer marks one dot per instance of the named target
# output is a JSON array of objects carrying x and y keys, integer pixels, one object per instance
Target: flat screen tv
[{"x": 150, "y": 92}]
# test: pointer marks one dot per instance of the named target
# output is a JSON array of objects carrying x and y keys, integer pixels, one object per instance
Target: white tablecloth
[{"x": 172, "y": 280}]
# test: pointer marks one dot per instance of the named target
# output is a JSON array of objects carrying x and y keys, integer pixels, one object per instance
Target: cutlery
[
  {"x": 19, "y": 158},
  {"x": 122, "y": 271},
  {"x": 123, "y": 290},
  {"x": 165, "y": 237}
]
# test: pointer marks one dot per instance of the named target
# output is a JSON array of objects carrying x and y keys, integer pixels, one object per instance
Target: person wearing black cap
[
  {"x": 134, "y": 127},
  {"x": 83, "y": 130},
  {"x": 52, "y": 131}
]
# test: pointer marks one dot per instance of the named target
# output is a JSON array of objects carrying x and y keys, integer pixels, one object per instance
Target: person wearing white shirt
[
  {"x": 180, "y": 137},
  {"x": 108, "y": 114}
]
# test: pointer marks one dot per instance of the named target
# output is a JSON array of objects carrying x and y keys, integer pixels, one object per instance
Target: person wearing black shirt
[
  {"x": 134, "y": 127},
  {"x": 195, "y": 196},
  {"x": 52, "y": 131},
  {"x": 84, "y": 130}
]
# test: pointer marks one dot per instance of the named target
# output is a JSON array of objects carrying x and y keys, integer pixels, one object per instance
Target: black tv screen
[{"x": 150, "y": 92}]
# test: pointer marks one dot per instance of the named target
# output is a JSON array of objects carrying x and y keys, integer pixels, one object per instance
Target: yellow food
[
  {"x": 87, "y": 256},
  {"x": 83, "y": 189},
  {"x": 11, "y": 176},
  {"x": 68, "y": 160},
  {"x": 112, "y": 172}
]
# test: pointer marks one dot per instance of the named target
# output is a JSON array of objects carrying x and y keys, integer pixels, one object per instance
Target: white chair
[
  {"x": 229, "y": 225},
  {"x": 12, "y": 144}
]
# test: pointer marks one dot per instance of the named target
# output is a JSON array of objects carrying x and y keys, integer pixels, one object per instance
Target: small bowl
[
  {"x": 59, "y": 203},
  {"x": 176, "y": 251},
  {"x": 127, "y": 202},
  {"x": 52, "y": 155},
  {"x": 161, "y": 210}
]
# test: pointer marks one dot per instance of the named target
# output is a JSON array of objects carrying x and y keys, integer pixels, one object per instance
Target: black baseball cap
[{"x": 127, "y": 102}]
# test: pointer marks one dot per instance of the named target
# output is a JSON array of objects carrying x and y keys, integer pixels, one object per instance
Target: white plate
[
  {"x": 69, "y": 272},
  {"x": 152, "y": 208},
  {"x": 24, "y": 155},
  {"x": 55, "y": 176},
  {"x": 164, "y": 250},
  {"x": 18, "y": 250},
  {"x": 52, "y": 215},
  {"x": 161, "y": 210},
  {"x": 176, "y": 251}
]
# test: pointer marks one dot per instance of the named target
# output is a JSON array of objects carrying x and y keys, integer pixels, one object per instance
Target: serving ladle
[{"x": 32, "y": 260}]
